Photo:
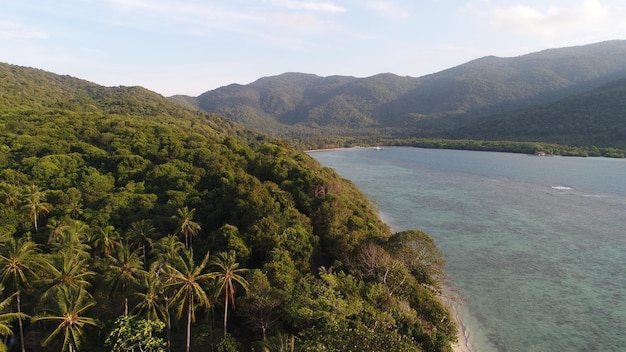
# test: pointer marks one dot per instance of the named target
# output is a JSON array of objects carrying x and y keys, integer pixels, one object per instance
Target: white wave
[{"x": 565, "y": 188}]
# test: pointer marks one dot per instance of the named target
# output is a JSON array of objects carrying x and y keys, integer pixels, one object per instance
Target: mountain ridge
[{"x": 297, "y": 104}]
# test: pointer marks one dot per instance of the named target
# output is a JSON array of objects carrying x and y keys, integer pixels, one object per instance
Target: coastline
[{"x": 462, "y": 344}]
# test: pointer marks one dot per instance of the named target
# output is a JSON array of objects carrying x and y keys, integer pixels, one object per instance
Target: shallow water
[{"x": 535, "y": 245}]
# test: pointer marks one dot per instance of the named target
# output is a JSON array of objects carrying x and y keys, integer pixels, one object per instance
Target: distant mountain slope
[
  {"x": 295, "y": 104},
  {"x": 594, "y": 118}
]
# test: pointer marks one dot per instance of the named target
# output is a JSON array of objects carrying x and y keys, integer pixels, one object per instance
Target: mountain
[
  {"x": 596, "y": 118},
  {"x": 295, "y": 104},
  {"x": 110, "y": 198}
]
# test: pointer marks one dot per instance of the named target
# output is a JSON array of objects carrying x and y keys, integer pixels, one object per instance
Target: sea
[{"x": 535, "y": 247}]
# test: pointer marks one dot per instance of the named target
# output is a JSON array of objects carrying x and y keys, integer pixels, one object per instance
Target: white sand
[{"x": 462, "y": 344}]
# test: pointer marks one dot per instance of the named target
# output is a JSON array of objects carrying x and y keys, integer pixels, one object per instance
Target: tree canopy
[{"x": 119, "y": 193}]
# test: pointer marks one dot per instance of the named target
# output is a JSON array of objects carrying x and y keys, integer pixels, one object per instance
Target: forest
[
  {"x": 569, "y": 100},
  {"x": 130, "y": 223}
]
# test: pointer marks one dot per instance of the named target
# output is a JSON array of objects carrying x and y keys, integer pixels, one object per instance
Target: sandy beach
[{"x": 462, "y": 344}]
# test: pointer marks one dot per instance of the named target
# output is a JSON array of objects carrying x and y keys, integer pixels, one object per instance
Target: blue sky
[{"x": 191, "y": 46}]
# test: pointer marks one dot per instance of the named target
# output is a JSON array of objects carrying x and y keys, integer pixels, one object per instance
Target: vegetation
[
  {"x": 127, "y": 221},
  {"x": 570, "y": 98},
  {"x": 539, "y": 148}
]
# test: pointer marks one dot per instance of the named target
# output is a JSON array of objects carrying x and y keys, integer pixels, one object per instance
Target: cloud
[
  {"x": 388, "y": 9},
  {"x": 12, "y": 31},
  {"x": 319, "y": 6},
  {"x": 587, "y": 16}
]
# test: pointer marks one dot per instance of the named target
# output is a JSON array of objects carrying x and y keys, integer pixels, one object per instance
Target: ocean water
[{"x": 535, "y": 246}]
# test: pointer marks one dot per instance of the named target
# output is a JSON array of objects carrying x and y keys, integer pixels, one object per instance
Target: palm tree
[
  {"x": 165, "y": 250},
  {"x": 35, "y": 204},
  {"x": 7, "y": 318},
  {"x": 228, "y": 274},
  {"x": 153, "y": 303},
  {"x": 11, "y": 194},
  {"x": 127, "y": 271},
  {"x": 106, "y": 240},
  {"x": 71, "y": 304},
  {"x": 19, "y": 261},
  {"x": 186, "y": 225},
  {"x": 140, "y": 233},
  {"x": 186, "y": 278},
  {"x": 66, "y": 269}
]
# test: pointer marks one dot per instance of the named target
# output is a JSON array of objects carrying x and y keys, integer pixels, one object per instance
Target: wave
[{"x": 564, "y": 188}]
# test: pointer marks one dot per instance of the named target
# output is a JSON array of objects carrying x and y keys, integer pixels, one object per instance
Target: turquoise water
[{"x": 535, "y": 245}]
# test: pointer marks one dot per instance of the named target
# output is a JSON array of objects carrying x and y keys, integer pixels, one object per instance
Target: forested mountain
[
  {"x": 596, "y": 118},
  {"x": 128, "y": 221},
  {"x": 296, "y": 105}
]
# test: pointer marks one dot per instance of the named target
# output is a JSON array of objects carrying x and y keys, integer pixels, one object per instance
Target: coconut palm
[
  {"x": 11, "y": 194},
  {"x": 65, "y": 269},
  {"x": 19, "y": 264},
  {"x": 106, "y": 240},
  {"x": 186, "y": 226},
  {"x": 140, "y": 234},
  {"x": 7, "y": 318},
  {"x": 153, "y": 303},
  {"x": 127, "y": 272},
  {"x": 71, "y": 303},
  {"x": 165, "y": 250},
  {"x": 185, "y": 278},
  {"x": 228, "y": 275},
  {"x": 35, "y": 204}
]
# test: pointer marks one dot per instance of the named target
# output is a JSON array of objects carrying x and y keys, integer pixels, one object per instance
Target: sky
[{"x": 192, "y": 46}]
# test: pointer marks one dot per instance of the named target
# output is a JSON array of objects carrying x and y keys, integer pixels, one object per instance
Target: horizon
[{"x": 190, "y": 47}]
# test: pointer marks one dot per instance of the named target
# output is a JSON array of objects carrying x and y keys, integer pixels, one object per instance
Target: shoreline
[{"x": 462, "y": 344}]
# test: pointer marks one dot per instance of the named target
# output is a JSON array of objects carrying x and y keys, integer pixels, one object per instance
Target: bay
[{"x": 535, "y": 246}]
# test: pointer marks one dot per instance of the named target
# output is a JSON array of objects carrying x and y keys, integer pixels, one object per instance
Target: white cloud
[
  {"x": 12, "y": 31},
  {"x": 587, "y": 16},
  {"x": 320, "y": 6},
  {"x": 388, "y": 9}
]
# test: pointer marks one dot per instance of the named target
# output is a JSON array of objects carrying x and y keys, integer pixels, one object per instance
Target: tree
[
  {"x": 73, "y": 238},
  {"x": 420, "y": 254},
  {"x": 19, "y": 261},
  {"x": 71, "y": 305},
  {"x": 130, "y": 332},
  {"x": 66, "y": 269},
  {"x": 186, "y": 226},
  {"x": 11, "y": 194},
  {"x": 35, "y": 204},
  {"x": 106, "y": 240},
  {"x": 153, "y": 303},
  {"x": 140, "y": 234},
  {"x": 228, "y": 275},
  {"x": 260, "y": 305},
  {"x": 127, "y": 271},
  {"x": 186, "y": 278},
  {"x": 7, "y": 318}
]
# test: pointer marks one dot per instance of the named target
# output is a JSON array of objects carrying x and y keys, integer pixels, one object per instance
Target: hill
[
  {"x": 144, "y": 222},
  {"x": 595, "y": 118},
  {"x": 297, "y": 105}
]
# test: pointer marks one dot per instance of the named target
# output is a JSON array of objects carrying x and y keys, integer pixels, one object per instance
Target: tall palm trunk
[
  {"x": 225, "y": 313},
  {"x": 188, "y": 326},
  {"x": 19, "y": 321}
]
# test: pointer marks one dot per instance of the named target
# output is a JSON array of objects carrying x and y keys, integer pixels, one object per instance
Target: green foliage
[
  {"x": 569, "y": 96},
  {"x": 102, "y": 189},
  {"x": 130, "y": 332}
]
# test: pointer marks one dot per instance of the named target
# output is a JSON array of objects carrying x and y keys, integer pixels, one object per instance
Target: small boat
[{"x": 377, "y": 148}]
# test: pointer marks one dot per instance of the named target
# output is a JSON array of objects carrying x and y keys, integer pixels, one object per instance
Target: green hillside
[
  {"x": 209, "y": 236},
  {"x": 301, "y": 105},
  {"x": 596, "y": 118}
]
